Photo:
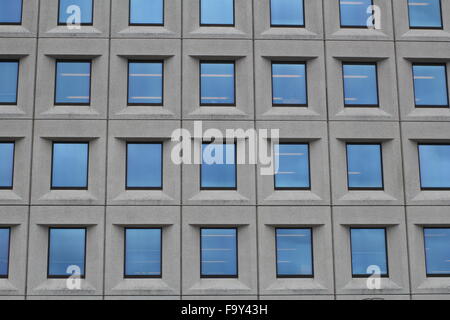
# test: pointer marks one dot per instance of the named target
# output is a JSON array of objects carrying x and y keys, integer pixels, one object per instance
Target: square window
[
  {"x": 292, "y": 162},
  {"x": 10, "y": 11},
  {"x": 289, "y": 84},
  {"x": 217, "y": 13},
  {"x": 66, "y": 252},
  {"x": 147, "y": 12},
  {"x": 364, "y": 167},
  {"x": 217, "y": 84},
  {"x": 355, "y": 13},
  {"x": 73, "y": 83},
  {"x": 368, "y": 249},
  {"x": 6, "y": 165},
  {"x": 218, "y": 253},
  {"x": 145, "y": 83},
  {"x": 218, "y": 169},
  {"x": 69, "y": 9},
  {"x": 437, "y": 251},
  {"x": 287, "y": 13},
  {"x": 434, "y": 163},
  {"x": 143, "y": 253},
  {"x": 430, "y": 85},
  {"x": 4, "y": 252},
  {"x": 144, "y": 166},
  {"x": 70, "y": 165},
  {"x": 294, "y": 253},
  {"x": 360, "y": 85},
  {"x": 425, "y": 14},
  {"x": 9, "y": 80}
]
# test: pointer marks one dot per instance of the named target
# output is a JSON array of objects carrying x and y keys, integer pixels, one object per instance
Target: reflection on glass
[
  {"x": 434, "y": 166},
  {"x": 219, "y": 252},
  {"x": 144, "y": 165},
  {"x": 430, "y": 85},
  {"x": 147, "y": 12},
  {"x": 6, "y": 165},
  {"x": 218, "y": 169},
  {"x": 145, "y": 83},
  {"x": 289, "y": 84},
  {"x": 437, "y": 251},
  {"x": 4, "y": 252},
  {"x": 10, "y": 11},
  {"x": 214, "y": 12},
  {"x": 73, "y": 83},
  {"x": 292, "y": 161},
  {"x": 368, "y": 249},
  {"x": 9, "y": 73},
  {"x": 294, "y": 252},
  {"x": 217, "y": 83},
  {"x": 142, "y": 252},
  {"x": 364, "y": 166},
  {"x": 287, "y": 13},
  {"x": 360, "y": 85},
  {"x": 66, "y": 249},
  {"x": 425, "y": 14},
  {"x": 66, "y": 11},
  {"x": 355, "y": 13},
  {"x": 70, "y": 165}
]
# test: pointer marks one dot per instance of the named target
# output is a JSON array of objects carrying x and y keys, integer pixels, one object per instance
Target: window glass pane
[
  {"x": 10, "y": 11},
  {"x": 73, "y": 83},
  {"x": 66, "y": 249},
  {"x": 8, "y": 81},
  {"x": 6, "y": 164},
  {"x": 287, "y": 12},
  {"x": 425, "y": 14},
  {"x": 217, "y": 12},
  {"x": 146, "y": 11},
  {"x": 70, "y": 165},
  {"x": 364, "y": 166},
  {"x": 430, "y": 85},
  {"x": 145, "y": 83},
  {"x": 217, "y": 83},
  {"x": 66, "y": 11},
  {"x": 289, "y": 84},
  {"x": 143, "y": 252},
  {"x": 368, "y": 249},
  {"x": 4, "y": 251},
  {"x": 437, "y": 251},
  {"x": 360, "y": 85},
  {"x": 292, "y": 161},
  {"x": 354, "y": 12},
  {"x": 294, "y": 252},
  {"x": 218, "y": 169},
  {"x": 219, "y": 252},
  {"x": 144, "y": 165},
  {"x": 434, "y": 166}
]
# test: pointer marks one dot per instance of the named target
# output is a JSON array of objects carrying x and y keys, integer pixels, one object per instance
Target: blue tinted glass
[
  {"x": 66, "y": 249},
  {"x": 217, "y": 12},
  {"x": 217, "y": 83},
  {"x": 354, "y": 12},
  {"x": 6, "y": 164},
  {"x": 145, "y": 83},
  {"x": 437, "y": 251},
  {"x": 143, "y": 252},
  {"x": 287, "y": 12},
  {"x": 8, "y": 81},
  {"x": 144, "y": 166},
  {"x": 292, "y": 161},
  {"x": 360, "y": 84},
  {"x": 425, "y": 13},
  {"x": 430, "y": 85},
  {"x": 70, "y": 165},
  {"x": 434, "y": 166},
  {"x": 73, "y": 82},
  {"x": 218, "y": 168},
  {"x": 368, "y": 249},
  {"x": 364, "y": 166},
  {"x": 294, "y": 252},
  {"x": 66, "y": 11},
  {"x": 4, "y": 251},
  {"x": 146, "y": 11},
  {"x": 11, "y": 11},
  {"x": 289, "y": 84},
  {"x": 219, "y": 252}
]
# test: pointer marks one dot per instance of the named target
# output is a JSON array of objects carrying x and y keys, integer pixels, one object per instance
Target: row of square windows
[
  {"x": 353, "y": 14},
  {"x": 218, "y": 83},
  {"x": 218, "y": 252},
  {"x": 144, "y": 166}
]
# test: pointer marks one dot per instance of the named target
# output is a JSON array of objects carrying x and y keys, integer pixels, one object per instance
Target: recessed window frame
[
  {"x": 363, "y": 276},
  {"x": 59, "y": 23},
  {"x": 13, "y": 165},
  {"x": 216, "y": 25},
  {"x": 87, "y": 165},
  {"x": 297, "y": 276},
  {"x": 381, "y": 166},
  {"x": 446, "y": 83},
  {"x": 287, "y": 25},
  {"x": 420, "y": 173},
  {"x": 306, "y": 83},
  {"x": 8, "y": 253},
  {"x": 147, "y": 24},
  {"x": 425, "y": 28},
  {"x": 82, "y": 276},
  {"x": 56, "y": 82},
  {"x": 160, "y": 276},
  {"x": 15, "y": 23},
  {"x": 349, "y": 27},
  {"x": 200, "y": 83},
  {"x": 377, "y": 79},
  {"x": 162, "y": 167},
  {"x": 128, "y": 84},
  {"x": 442, "y": 275},
  {"x": 236, "y": 276},
  {"x": 18, "y": 82},
  {"x": 309, "y": 167}
]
